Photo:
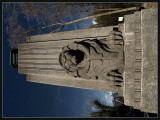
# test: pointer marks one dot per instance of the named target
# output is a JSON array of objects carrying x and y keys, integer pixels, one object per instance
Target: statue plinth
[{"x": 140, "y": 73}]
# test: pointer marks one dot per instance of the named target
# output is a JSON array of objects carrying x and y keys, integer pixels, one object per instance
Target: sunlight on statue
[{"x": 95, "y": 59}]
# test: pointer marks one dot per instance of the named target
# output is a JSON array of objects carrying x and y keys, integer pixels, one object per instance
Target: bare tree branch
[
  {"x": 106, "y": 9},
  {"x": 98, "y": 15},
  {"x": 85, "y": 18},
  {"x": 58, "y": 29},
  {"x": 43, "y": 27}
]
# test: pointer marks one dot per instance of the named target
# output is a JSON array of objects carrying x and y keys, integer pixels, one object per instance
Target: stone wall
[{"x": 140, "y": 31}]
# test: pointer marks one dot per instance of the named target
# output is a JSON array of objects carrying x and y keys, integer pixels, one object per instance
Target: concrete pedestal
[{"x": 140, "y": 32}]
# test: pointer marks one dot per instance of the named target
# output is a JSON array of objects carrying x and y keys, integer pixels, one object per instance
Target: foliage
[
  {"x": 19, "y": 14},
  {"x": 24, "y": 19},
  {"x": 151, "y": 5},
  {"x": 111, "y": 111},
  {"x": 112, "y": 19},
  {"x": 102, "y": 107},
  {"x": 104, "y": 111}
]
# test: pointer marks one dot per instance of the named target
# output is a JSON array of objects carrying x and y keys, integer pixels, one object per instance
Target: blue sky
[{"x": 28, "y": 99}]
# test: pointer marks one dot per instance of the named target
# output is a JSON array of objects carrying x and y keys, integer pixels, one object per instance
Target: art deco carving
[{"x": 95, "y": 59}]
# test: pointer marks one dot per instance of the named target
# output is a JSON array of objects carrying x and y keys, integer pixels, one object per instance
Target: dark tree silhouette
[
  {"x": 51, "y": 17},
  {"x": 111, "y": 111}
]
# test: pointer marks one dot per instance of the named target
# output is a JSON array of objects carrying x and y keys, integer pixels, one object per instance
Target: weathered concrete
[
  {"x": 73, "y": 82},
  {"x": 129, "y": 94},
  {"x": 40, "y": 57},
  {"x": 150, "y": 60},
  {"x": 140, "y": 77},
  {"x": 78, "y": 34}
]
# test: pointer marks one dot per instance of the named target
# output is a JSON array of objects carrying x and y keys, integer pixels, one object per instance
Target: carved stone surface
[
  {"x": 124, "y": 63},
  {"x": 95, "y": 59},
  {"x": 39, "y": 59},
  {"x": 140, "y": 44}
]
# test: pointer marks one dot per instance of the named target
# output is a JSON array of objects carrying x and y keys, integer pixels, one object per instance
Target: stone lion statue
[{"x": 95, "y": 59}]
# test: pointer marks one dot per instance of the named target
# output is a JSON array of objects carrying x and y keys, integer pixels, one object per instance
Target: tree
[
  {"x": 112, "y": 19},
  {"x": 104, "y": 111},
  {"x": 111, "y": 111},
  {"x": 38, "y": 17},
  {"x": 18, "y": 14},
  {"x": 24, "y": 19}
]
